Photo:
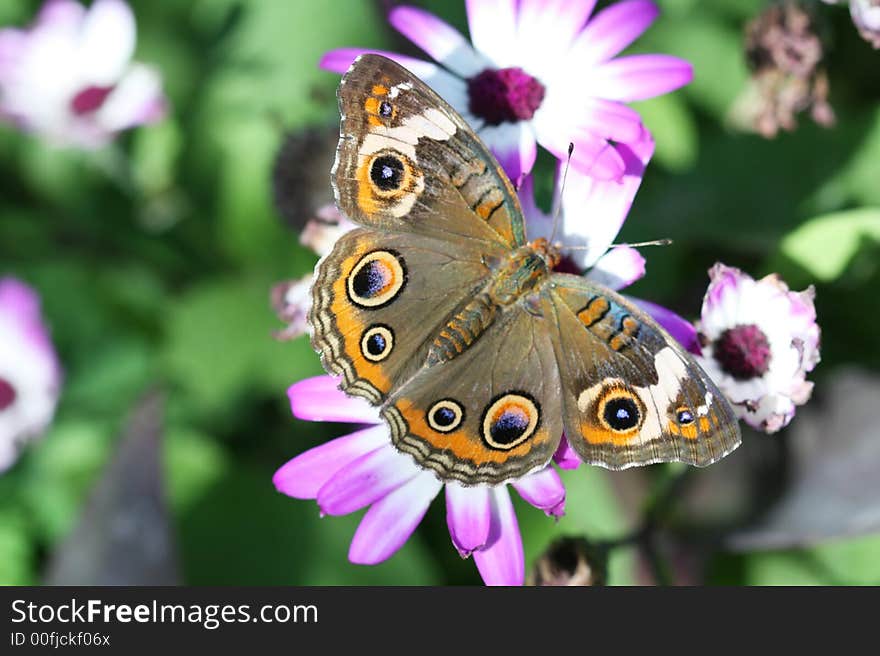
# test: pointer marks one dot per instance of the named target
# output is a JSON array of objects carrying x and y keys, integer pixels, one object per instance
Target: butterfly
[{"x": 441, "y": 312}]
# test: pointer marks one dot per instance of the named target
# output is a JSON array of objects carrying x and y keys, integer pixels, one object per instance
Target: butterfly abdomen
[{"x": 463, "y": 329}]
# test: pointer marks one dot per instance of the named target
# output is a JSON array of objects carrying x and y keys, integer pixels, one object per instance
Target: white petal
[{"x": 107, "y": 42}]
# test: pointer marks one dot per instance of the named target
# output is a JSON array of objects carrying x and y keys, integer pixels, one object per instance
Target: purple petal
[
  {"x": 612, "y": 30},
  {"x": 638, "y": 77},
  {"x": 593, "y": 211},
  {"x": 592, "y": 155},
  {"x": 388, "y": 524},
  {"x": 468, "y": 516},
  {"x": 502, "y": 562},
  {"x": 366, "y": 480},
  {"x": 303, "y": 476},
  {"x": 320, "y": 399},
  {"x": 65, "y": 13},
  {"x": 619, "y": 267},
  {"x": 539, "y": 224},
  {"x": 437, "y": 38},
  {"x": 566, "y": 457},
  {"x": 492, "y": 25},
  {"x": 611, "y": 120},
  {"x": 682, "y": 330},
  {"x": 513, "y": 144},
  {"x": 544, "y": 490}
]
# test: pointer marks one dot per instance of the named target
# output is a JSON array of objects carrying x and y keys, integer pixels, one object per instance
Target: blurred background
[{"x": 155, "y": 255}]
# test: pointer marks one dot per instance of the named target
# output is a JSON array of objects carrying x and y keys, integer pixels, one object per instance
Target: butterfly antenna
[
  {"x": 635, "y": 244},
  {"x": 557, "y": 209},
  {"x": 639, "y": 244}
]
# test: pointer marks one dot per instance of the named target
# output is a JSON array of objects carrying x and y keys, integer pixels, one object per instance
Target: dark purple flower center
[
  {"x": 743, "y": 352},
  {"x": 504, "y": 95},
  {"x": 89, "y": 100},
  {"x": 7, "y": 394}
]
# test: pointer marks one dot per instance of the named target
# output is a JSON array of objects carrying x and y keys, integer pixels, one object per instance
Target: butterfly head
[{"x": 546, "y": 251}]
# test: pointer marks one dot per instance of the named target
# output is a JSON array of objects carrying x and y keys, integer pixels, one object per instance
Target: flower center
[
  {"x": 89, "y": 100},
  {"x": 7, "y": 394},
  {"x": 504, "y": 95},
  {"x": 743, "y": 352}
]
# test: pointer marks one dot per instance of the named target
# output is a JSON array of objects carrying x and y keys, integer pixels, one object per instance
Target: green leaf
[
  {"x": 220, "y": 344},
  {"x": 825, "y": 245},
  {"x": 675, "y": 132},
  {"x": 258, "y": 536},
  {"x": 59, "y": 472},
  {"x": 849, "y": 562},
  {"x": 592, "y": 512},
  {"x": 194, "y": 463},
  {"x": 16, "y": 556}
]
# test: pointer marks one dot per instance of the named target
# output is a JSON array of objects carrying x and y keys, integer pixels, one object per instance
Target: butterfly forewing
[{"x": 407, "y": 161}]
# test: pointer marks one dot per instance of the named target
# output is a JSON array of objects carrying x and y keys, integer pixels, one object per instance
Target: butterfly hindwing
[
  {"x": 406, "y": 161},
  {"x": 492, "y": 413},
  {"x": 631, "y": 394}
]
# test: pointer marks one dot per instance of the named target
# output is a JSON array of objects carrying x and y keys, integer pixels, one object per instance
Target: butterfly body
[{"x": 478, "y": 353}]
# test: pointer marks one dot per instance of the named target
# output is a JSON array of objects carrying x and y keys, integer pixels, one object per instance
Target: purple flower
[
  {"x": 759, "y": 342},
  {"x": 69, "y": 76},
  {"x": 30, "y": 376},
  {"x": 540, "y": 71},
  {"x": 364, "y": 469}
]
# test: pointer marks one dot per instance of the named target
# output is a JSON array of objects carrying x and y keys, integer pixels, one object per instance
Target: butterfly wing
[
  {"x": 407, "y": 161},
  {"x": 492, "y": 413},
  {"x": 631, "y": 394},
  {"x": 379, "y": 298}
]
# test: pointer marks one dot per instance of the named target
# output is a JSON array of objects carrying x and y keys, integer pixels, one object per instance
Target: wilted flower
[
  {"x": 30, "y": 376},
  {"x": 364, "y": 469},
  {"x": 69, "y": 76},
  {"x": 785, "y": 55},
  {"x": 570, "y": 562},
  {"x": 538, "y": 71},
  {"x": 759, "y": 341}
]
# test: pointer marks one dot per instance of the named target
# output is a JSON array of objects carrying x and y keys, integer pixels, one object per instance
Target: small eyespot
[
  {"x": 385, "y": 109},
  {"x": 377, "y": 342},
  {"x": 509, "y": 421},
  {"x": 376, "y": 279},
  {"x": 445, "y": 416},
  {"x": 684, "y": 416},
  {"x": 387, "y": 173}
]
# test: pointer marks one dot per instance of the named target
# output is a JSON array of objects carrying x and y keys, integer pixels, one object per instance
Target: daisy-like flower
[
  {"x": 540, "y": 71},
  {"x": 759, "y": 341},
  {"x": 364, "y": 469},
  {"x": 30, "y": 376},
  {"x": 69, "y": 76}
]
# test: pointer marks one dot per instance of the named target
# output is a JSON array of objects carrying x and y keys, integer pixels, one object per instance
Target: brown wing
[
  {"x": 631, "y": 394},
  {"x": 407, "y": 161}
]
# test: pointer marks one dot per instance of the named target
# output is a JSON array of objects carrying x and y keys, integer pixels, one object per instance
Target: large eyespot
[
  {"x": 620, "y": 410},
  {"x": 510, "y": 420},
  {"x": 388, "y": 173},
  {"x": 376, "y": 279},
  {"x": 377, "y": 342},
  {"x": 445, "y": 416},
  {"x": 385, "y": 109}
]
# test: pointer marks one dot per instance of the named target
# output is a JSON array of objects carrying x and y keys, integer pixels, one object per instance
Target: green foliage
[{"x": 154, "y": 258}]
